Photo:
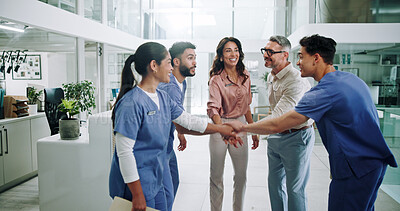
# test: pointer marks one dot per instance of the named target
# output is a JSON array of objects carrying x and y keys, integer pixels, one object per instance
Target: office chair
[{"x": 52, "y": 98}]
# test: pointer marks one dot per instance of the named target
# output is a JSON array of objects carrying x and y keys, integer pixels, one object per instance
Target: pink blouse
[{"x": 227, "y": 99}]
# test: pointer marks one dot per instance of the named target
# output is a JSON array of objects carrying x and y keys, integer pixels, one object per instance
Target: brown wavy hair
[{"x": 218, "y": 65}]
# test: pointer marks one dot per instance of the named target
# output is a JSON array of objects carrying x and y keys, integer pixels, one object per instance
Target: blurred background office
[{"x": 75, "y": 40}]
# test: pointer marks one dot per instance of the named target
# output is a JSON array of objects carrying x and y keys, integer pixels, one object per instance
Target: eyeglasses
[{"x": 269, "y": 51}]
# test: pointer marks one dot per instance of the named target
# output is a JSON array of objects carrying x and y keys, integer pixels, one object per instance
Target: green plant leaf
[
  {"x": 33, "y": 95},
  {"x": 83, "y": 93},
  {"x": 70, "y": 107}
]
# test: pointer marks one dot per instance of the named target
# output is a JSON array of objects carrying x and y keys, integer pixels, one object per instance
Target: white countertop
[
  {"x": 11, "y": 120},
  {"x": 55, "y": 139}
]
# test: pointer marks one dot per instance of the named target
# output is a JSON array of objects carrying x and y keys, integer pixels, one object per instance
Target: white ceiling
[{"x": 37, "y": 40}]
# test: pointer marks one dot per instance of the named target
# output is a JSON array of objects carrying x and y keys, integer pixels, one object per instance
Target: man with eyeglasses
[
  {"x": 288, "y": 151},
  {"x": 183, "y": 60}
]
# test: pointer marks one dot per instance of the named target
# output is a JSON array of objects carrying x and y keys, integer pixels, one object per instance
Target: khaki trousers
[{"x": 239, "y": 157}]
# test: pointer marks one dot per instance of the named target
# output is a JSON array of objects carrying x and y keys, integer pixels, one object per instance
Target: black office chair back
[{"x": 52, "y": 98}]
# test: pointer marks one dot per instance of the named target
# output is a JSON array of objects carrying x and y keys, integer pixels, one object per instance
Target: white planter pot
[{"x": 32, "y": 109}]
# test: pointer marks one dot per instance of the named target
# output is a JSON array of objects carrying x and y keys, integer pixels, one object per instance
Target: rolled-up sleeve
[{"x": 214, "y": 104}]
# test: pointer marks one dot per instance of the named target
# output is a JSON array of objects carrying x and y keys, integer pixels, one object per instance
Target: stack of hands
[{"x": 231, "y": 135}]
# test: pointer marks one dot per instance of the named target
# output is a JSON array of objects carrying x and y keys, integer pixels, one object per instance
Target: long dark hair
[
  {"x": 218, "y": 65},
  {"x": 146, "y": 53}
]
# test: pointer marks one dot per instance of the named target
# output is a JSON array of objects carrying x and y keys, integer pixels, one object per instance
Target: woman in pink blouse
[{"x": 229, "y": 100}]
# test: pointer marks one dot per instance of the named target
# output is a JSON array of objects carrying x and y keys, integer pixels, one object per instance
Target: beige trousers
[{"x": 239, "y": 157}]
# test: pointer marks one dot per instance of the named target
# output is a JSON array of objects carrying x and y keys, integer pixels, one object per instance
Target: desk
[{"x": 73, "y": 174}]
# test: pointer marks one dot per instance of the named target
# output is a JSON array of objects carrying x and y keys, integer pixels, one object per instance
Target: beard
[{"x": 185, "y": 71}]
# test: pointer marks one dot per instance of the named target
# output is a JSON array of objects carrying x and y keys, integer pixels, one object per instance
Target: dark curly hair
[
  {"x": 326, "y": 47},
  {"x": 218, "y": 65}
]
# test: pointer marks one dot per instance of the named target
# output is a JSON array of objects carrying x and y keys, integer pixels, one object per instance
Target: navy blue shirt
[{"x": 348, "y": 123}]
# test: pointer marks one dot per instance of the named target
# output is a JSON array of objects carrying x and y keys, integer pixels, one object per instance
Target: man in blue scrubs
[
  {"x": 183, "y": 60},
  {"x": 347, "y": 121}
]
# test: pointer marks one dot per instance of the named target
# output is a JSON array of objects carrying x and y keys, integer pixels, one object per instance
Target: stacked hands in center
[{"x": 232, "y": 136}]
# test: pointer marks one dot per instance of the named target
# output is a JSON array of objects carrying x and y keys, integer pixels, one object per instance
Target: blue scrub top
[
  {"x": 137, "y": 117},
  {"x": 348, "y": 123},
  {"x": 174, "y": 91}
]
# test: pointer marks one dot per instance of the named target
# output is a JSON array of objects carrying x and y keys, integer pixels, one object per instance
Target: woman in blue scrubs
[{"x": 142, "y": 119}]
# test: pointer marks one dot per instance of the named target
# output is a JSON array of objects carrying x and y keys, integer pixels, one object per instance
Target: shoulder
[
  {"x": 130, "y": 100},
  {"x": 168, "y": 87},
  {"x": 215, "y": 79},
  {"x": 165, "y": 86},
  {"x": 293, "y": 76}
]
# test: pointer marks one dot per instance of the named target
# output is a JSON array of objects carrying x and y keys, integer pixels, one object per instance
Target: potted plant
[
  {"x": 78, "y": 97},
  {"x": 33, "y": 99},
  {"x": 83, "y": 93},
  {"x": 69, "y": 126}
]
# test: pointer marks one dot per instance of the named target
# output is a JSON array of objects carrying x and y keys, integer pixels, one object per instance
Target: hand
[
  {"x": 226, "y": 130},
  {"x": 182, "y": 142},
  {"x": 233, "y": 141},
  {"x": 236, "y": 125},
  {"x": 138, "y": 202},
  {"x": 256, "y": 141}
]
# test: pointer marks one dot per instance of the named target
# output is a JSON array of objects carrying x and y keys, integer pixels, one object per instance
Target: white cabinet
[
  {"x": 15, "y": 138},
  {"x": 1, "y": 163},
  {"x": 39, "y": 129},
  {"x": 18, "y": 151}
]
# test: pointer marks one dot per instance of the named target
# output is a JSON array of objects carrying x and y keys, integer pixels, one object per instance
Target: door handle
[
  {"x": 6, "y": 152},
  {"x": 1, "y": 143}
]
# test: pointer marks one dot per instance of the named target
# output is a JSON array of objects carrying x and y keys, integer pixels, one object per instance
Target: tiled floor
[
  {"x": 193, "y": 192},
  {"x": 24, "y": 197}
]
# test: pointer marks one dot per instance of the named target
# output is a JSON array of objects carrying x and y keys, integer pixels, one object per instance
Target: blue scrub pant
[
  {"x": 173, "y": 167},
  {"x": 171, "y": 179},
  {"x": 159, "y": 202},
  {"x": 289, "y": 169},
  {"x": 356, "y": 193}
]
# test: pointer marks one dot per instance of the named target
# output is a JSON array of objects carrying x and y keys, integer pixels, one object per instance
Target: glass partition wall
[{"x": 54, "y": 58}]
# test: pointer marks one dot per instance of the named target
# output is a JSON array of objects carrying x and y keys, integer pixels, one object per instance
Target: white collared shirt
[{"x": 285, "y": 90}]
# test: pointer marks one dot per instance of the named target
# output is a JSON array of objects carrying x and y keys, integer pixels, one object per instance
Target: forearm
[
  {"x": 135, "y": 188},
  {"x": 216, "y": 119},
  {"x": 276, "y": 125},
  {"x": 262, "y": 127},
  {"x": 127, "y": 161},
  {"x": 210, "y": 129},
  {"x": 248, "y": 116},
  {"x": 182, "y": 130}
]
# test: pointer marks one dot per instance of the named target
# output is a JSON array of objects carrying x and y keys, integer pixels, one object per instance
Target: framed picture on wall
[{"x": 30, "y": 69}]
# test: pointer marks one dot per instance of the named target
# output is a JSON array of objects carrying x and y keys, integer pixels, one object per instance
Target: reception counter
[{"x": 73, "y": 174}]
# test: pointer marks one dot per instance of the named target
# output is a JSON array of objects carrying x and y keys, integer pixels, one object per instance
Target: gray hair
[{"x": 282, "y": 41}]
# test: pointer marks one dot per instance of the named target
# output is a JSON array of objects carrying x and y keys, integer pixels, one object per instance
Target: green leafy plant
[
  {"x": 265, "y": 77},
  {"x": 70, "y": 107},
  {"x": 33, "y": 95},
  {"x": 81, "y": 92}
]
